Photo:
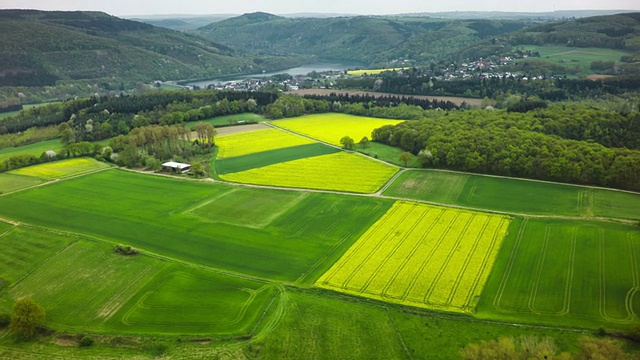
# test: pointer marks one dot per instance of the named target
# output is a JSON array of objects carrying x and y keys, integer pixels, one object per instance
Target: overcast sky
[{"x": 368, "y": 7}]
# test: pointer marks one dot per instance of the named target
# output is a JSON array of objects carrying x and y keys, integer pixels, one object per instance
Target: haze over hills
[{"x": 39, "y": 48}]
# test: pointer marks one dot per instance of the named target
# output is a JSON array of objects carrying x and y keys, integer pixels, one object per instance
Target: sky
[{"x": 364, "y": 7}]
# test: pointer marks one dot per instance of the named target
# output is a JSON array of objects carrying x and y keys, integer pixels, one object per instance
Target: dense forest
[
  {"x": 365, "y": 39},
  {"x": 41, "y": 48},
  {"x": 573, "y": 145}
]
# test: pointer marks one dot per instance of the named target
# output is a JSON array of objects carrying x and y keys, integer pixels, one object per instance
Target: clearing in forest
[
  {"x": 423, "y": 256},
  {"x": 340, "y": 172},
  {"x": 332, "y": 127},
  {"x": 252, "y": 142},
  {"x": 566, "y": 272}
]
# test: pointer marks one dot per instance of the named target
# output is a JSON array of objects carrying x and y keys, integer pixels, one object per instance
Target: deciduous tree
[
  {"x": 347, "y": 143},
  {"x": 26, "y": 318}
]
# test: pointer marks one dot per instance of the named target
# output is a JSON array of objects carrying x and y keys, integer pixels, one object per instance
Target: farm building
[{"x": 176, "y": 167}]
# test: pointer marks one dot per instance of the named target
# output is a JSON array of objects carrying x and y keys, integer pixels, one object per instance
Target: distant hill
[
  {"x": 621, "y": 31},
  {"x": 370, "y": 40},
  {"x": 550, "y": 15},
  {"x": 38, "y": 48},
  {"x": 181, "y": 22}
]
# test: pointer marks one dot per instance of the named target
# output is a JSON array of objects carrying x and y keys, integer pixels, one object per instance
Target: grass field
[
  {"x": 156, "y": 214},
  {"x": 330, "y": 128},
  {"x": 423, "y": 256},
  {"x": 340, "y": 172},
  {"x": 23, "y": 250},
  {"x": 572, "y": 57},
  {"x": 10, "y": 182},
  {"x": 61, "y": 169},
  {"x": 228, "y": 120},
  {"x": 271, "y": 157},
  {"x": 256, "y": 141},
  {"x": 33, "y": 149},
  {"x": 192, "y": 301},
  {"x": 110, "y": 292},
  {"x": 513, "y": 195},
  {"x": 390, "y": 154},
  {"x": 566, "y": 272}
]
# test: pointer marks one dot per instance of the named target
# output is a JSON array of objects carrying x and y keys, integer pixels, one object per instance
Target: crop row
[
  {"x": 341, "y": 171},
  {"x": 256, "y": 141},
  {"x": 422, "y": 256},
  {"x": 330, "y": 128}
]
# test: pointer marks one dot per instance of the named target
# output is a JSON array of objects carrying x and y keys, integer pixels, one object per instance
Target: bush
[
  {"x": 125, "y": 249},
  {"x": 156, "y": 349},
  {"x": 86, "y": 341}
]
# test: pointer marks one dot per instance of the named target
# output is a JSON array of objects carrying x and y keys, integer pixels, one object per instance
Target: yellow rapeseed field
[
  {"x": 330, "y": 128},
  {"x": 421, "y": 255},
  {"x": 256, "y": 141},
  {"x": 373, "y": 71},
  {"x": 61, "y": 169},
  {"x": 340, "y": 171}
]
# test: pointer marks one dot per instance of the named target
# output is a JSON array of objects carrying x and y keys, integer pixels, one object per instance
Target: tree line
[{"x": 501, "y": 143}]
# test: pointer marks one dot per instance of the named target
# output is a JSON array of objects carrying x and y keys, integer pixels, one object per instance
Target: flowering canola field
[
  {"x": 60, "y": 169},
  {"x": 330, "y": 128},
  {"x": 340, "y": 171},
  {"x": 252, "y": 142},
  {"x": 423, "y": 256}
]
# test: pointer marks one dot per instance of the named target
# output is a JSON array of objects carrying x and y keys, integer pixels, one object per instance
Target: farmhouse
[{"x": 176, "y": 167}]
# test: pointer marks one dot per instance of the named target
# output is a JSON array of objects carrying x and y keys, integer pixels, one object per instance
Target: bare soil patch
[
  {"x": 454, "y": 99},
  {"x": 228, "y": 130}
]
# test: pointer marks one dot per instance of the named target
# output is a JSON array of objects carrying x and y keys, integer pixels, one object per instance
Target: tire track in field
[
  {"x": 398, "y": 245},
  {"x": 470, "y": 255},
  {"x": 488, "y": 255},
  {"x": 512, "y": 260},
  {"x": 447, "y": 260},
  {"x": 435, "y": 247},
  {"x": 538, "y": 270},
  {"x": 418, "y": 244},
  {"x": 380, "y": 243}
]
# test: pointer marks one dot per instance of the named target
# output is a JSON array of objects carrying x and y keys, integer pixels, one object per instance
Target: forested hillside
[
  {"x": 38, "y": 48},
  {"x": 371, "y": 40}
]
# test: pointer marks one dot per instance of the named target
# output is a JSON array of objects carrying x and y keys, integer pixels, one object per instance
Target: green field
[
  {"x": 572, "y": 57},
  {"x": 271, "y": 157},
  {"x": 33, "y": 149},
  {"x": 513, "y": 195},
  {"x": 113, "y": 293},
  {"x": 388, "y": 153},
  {"x": 11, "y": 182},
  {"x": 125, "y": 207},
  {"x": 228, "y": 120},
  {"x": 566, "y": 272},
  {"x": 422, "y": 256}
]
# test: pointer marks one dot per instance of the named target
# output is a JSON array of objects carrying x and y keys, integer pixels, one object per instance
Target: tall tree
[{"x": 26, "y": 318}]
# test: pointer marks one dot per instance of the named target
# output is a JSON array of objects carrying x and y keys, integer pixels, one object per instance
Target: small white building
[{"x": 176, "y": 167}]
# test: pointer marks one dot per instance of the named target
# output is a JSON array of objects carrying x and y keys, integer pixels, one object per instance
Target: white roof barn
[{"x": 176, "y": 166}]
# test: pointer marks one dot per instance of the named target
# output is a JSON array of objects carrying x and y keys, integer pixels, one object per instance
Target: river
[{"x": 300, "y": 70}]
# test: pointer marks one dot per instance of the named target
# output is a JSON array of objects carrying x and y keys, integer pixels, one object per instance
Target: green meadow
[
  {"x": 576, "y": 273},
  {"x": 126, "y": 207},
  {"x": 514, "y": 195}
]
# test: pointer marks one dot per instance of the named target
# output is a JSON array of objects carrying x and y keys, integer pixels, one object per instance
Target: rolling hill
[
  {"x": 38, "y": 48},
  {"x": 370, "y": 40}
]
